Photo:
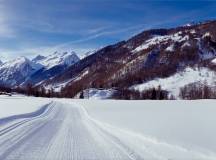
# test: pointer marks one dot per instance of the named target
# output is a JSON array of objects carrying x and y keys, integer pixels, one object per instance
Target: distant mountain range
[
  {"x": 169, "y": 58},
  {"x": 22, "y": 71}
]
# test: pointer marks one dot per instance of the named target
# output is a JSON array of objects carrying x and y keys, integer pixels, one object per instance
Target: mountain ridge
[
  {"x": 18, "y": 72},
  {"x": 154, "y": 53},
  {"x": 150, "y": 56}
]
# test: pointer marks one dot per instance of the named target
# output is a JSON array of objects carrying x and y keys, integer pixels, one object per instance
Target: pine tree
[{"x": 81, "y": 95}]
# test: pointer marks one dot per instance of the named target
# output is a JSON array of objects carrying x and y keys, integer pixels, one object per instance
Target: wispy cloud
[
  {"x": 29, "y": 27},
  {"x": 5, "y": 30}
]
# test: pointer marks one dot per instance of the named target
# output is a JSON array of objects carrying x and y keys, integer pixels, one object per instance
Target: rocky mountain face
[
  {"x": 152, "y": 54},
  {"x": 14, "y": 72}
]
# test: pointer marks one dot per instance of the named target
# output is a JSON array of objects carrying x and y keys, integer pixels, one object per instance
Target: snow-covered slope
[
  {"x": 110, "y": 130},
  {"x": 93, "y": 93},
  {"x": 90, "y": 52},
  {"x": 214, "y": 61},
  {"x": 53, "y": 65},
  {"x": 16, "y": 71},
  {"x": 188, "y": 125},
  {"x": 152, "y": 54},
  {"x": 38, "y": 58},
  {"x": 158, "y": 40},
  {"x": 56, "y": 59},
  {"x": 18, "y": 104},
  {"x": 180, "y": 79}
]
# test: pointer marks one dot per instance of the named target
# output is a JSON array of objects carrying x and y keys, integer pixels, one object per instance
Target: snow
[
  {"x": 57, "y": 86},
  {"x": 38, "y": 58},
  {"x": 18, "y": 63},
  {"x": 186, "y": 44},
  {"x": 90, "y": 52},
  {"x": 193, "y": 31},
  {"x": 214, "y": 61},
  {"x": 180, "y": 79},
  {"x": 108, "y": 129},
  {"x": 170, "y": 48},
  {"x": 188, "y": 25},
  {"x": 205, "y": 53},
  {"x": 188, "y": 125},
  {"x": 207, "y": 34},
  {"x": 83, "y": 74},
  {"x": 15, "y": 105},
  {"x": 177, "y": 37},
  {"x": 12, "y": 71},
  {"x": 65, "y": 58},
  {"x": 94, "y": 93}
]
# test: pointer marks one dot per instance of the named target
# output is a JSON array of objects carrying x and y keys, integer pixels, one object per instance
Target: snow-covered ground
[
  {"x": 94, "y": 93},
  {"x": 16, "y": 105},
  {"x": 177, "y": 37},
  {"x": 180, "y": 79},
  {"x": 108, "y": 129}
]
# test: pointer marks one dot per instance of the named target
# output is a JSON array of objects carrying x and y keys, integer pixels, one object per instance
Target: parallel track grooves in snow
[
  {"x": 60, "y": 131},
  {"x": 26, "y": 117}
]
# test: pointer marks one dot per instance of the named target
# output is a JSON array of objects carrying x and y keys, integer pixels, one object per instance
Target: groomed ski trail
[{"x": 61, "y": 131}]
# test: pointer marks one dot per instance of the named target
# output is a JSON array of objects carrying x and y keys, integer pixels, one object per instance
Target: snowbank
[{"x": 16, "y": 105}]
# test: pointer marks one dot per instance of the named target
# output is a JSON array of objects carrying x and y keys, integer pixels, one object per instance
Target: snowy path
[{"x": 60, "y": 131}]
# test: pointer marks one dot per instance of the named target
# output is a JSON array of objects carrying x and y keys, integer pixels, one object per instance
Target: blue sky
[{"x": 30, "y": 27}]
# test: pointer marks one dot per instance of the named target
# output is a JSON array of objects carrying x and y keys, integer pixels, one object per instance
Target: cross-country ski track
[{"x": 65, "y": 131}]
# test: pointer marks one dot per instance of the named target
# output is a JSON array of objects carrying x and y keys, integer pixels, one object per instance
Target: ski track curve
[{"x": 61, "y": 131}]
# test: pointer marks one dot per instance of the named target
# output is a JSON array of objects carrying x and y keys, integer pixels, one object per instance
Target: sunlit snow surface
[
  {"x": 177, "y": 37},
  {"x": 174, "y": 82},
  {"x": 108, "y": 129}
]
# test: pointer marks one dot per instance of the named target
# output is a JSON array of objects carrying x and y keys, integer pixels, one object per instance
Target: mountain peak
[
  {"x": 15, "y": 71},
  {"x": 38, "y": 58},
  {"x": 58, "y": 58},
  {"x": 16, "y": 62}
]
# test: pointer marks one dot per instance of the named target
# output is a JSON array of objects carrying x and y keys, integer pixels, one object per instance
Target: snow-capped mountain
[
  {"x": 14, "y": 72},
  {"x": 157, "y": 57},
  {"x": 22, "y": 71},
  {"x": 53, "y": 65},
  {"x": 152, "y": 54},
  {"x": 64, "y": 58},
  {"x": 38, "y": 58}
]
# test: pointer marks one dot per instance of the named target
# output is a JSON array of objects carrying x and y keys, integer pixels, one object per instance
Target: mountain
[
  {"x": 1, "y": 62},
  {"x": 150, "y": 55},
  {"x": 89, "y": 53},
  {"x": 38, "y": 58},
  {"x": 52, "y": 65},
  {"x": 14, "y": 72},
  {"x": 56, "y": 59},
  {"x": 22, "y": 71}
]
